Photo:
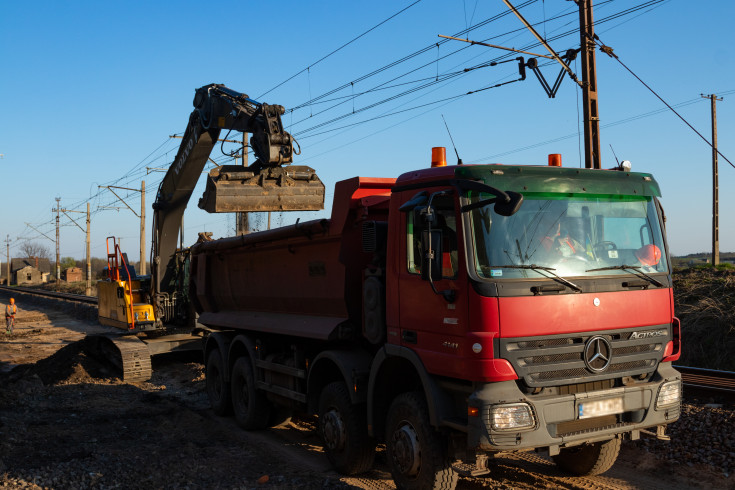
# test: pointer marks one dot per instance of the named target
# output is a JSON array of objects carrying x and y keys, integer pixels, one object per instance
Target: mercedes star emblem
[{"x": 597, "y": 354}]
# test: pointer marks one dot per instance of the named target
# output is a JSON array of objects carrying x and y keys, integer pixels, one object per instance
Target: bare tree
[{"x": 35, "y": 249}]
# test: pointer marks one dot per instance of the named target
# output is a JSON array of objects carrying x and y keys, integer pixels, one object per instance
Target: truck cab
[{"x": 551, "y": 327}]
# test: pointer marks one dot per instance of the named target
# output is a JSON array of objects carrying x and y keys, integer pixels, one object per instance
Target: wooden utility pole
[
  {"x": 589, "y": 85},
  {"x": 58, "y": 249},
  {"x": 715, "y": 184}
]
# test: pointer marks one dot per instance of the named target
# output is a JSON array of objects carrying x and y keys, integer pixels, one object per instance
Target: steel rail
[
  {"x": 709, "y": 380},
  {"x": 52, "y": 294}
]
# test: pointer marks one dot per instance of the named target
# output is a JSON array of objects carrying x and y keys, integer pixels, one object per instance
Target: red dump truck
[{"x": 453, "y": 314}]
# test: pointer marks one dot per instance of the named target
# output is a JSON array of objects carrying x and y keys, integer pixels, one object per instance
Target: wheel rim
[
  {"x": 216, "y": 385},
  {"x": 333, "y": 430},
  {"x": 243, "y": 399},
  {"x": 406, "y": 451}
]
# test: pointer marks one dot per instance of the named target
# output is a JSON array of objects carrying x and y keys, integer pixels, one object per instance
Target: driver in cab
[{"x": 559, "y": 241}]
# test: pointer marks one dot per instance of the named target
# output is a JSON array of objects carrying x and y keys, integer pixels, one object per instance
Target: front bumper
[{"x": 556, "y": 418}]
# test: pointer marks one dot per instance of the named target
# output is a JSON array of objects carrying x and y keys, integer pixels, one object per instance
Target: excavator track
[{"x": 127, "y": 352}]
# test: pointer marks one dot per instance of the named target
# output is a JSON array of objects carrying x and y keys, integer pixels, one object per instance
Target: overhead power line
[
  {"x": 339, "y": 49},
  {"x": 609, "y": 51}
]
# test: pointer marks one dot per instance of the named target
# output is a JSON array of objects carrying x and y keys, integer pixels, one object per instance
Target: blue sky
[{"x": 91, "y": 92}]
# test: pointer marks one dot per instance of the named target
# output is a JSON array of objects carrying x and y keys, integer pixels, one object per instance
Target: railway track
[
  {"x": 708, "y": 380},
  {"x": 80, "y": 298}
]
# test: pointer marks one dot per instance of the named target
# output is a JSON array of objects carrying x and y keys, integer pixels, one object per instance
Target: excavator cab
[{"x": 121, "y": 294}]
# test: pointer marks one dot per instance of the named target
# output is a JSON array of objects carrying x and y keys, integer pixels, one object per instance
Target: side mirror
[
  {"x": 431, "y": 260},
  {"x": 418, "y": 199},
  {"x": 511, "y": 206}
]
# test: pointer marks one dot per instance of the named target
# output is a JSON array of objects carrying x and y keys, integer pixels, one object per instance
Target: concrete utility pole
[
  {"x": 715, "y": 184},
  {"x": 88, "y": 289},
  {"x": 58, "y": 249},
  {"x": 242, "y": 225},
  {"x": 142, "y": 228},
  {"x": 141, "y": 216},
  {"x": 7, "y": 244},
  {"x": 589, "y": 85}
]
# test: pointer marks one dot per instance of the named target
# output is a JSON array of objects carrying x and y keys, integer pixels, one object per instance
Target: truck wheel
[
  {"x": 250, "y": 406},
  {"x": 343, "y": 429},
  {"x": 589, "y": 459},
  {"x": 416, "y": 457},
  {"x": 218, "y": 390}
]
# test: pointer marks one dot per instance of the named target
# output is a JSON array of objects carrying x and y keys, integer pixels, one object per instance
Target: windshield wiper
[
  {"x": 634, "y": 268},
  {"x": 548, "y": 270}
]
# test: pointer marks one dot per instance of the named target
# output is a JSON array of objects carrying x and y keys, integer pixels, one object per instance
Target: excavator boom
[{"x": 269, "y": 184}]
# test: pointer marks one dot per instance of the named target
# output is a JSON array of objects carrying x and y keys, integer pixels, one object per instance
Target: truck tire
[
  {"x": 343, "y": 429},
  {"x": 250, "y": 406},
  {"x": 416, "y": 456},
  {"x": 218, "y": 390},
  {"x": 588, "y": 459}
]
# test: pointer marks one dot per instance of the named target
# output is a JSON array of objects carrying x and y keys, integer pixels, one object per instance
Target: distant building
[
  {"x": 29, "y": 271},
  {"x": 72, "y": 274}
]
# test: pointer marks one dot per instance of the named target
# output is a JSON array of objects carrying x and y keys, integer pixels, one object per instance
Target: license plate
[{"x": 598, "y": 408}]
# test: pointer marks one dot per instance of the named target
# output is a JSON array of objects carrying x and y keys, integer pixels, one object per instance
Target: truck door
[{"x": 431, "y": 325}]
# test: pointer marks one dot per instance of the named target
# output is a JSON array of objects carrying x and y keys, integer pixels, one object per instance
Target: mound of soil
[{"x": 72, "y": 364}]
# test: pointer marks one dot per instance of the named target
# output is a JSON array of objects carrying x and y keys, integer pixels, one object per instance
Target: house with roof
[{"x": 29, "y": 271}]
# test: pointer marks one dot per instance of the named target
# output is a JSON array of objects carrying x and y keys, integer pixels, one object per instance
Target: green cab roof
[{"x": 561, "y": 180}]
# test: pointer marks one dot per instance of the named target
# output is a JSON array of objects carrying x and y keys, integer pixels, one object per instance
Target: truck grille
[{"x": 559, "y": 359}]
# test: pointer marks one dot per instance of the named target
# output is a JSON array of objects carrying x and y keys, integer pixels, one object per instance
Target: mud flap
[{"x": 234, "y": 188}]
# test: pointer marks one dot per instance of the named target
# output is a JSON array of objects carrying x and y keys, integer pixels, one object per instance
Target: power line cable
[
  {"x": 608, "y": 50},
  {"x": 338, "y": 49}
]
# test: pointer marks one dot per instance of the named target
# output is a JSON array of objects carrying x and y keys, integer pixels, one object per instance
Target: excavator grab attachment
[{"x": 233, "y": 188}]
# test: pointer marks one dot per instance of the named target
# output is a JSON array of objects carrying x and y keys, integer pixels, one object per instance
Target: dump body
[{"x": 303, "y": 280}]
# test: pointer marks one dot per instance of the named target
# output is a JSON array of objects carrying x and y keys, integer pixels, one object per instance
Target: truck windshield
[{"x": 572, "y": 235}]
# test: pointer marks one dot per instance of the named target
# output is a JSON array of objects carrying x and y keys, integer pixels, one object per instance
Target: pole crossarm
[
  {"x": 496, "y": 46},
  {"x": 72, "y": 219},
  {"x": 226, "y": 141},
  {"x": 110, "y": 187},
  {"x": 544, "y": 43}
]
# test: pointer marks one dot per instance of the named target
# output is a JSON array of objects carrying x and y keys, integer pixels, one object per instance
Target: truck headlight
[
  {"x": 136, "y": 316},
  {"x": 513, "y": 416},
  {"x": 669, "y": 394}
]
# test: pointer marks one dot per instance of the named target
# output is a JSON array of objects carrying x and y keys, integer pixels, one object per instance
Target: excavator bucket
[{"x": 234, "y": 188}]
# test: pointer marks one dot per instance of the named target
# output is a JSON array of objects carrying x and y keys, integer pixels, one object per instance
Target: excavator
[{"x": 153, "y": 312}]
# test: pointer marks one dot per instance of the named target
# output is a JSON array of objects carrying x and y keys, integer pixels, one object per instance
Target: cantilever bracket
[{"x": 532, "y": 63}]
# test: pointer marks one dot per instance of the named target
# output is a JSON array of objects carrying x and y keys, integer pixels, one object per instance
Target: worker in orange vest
[{"x": 10, "y": 311}]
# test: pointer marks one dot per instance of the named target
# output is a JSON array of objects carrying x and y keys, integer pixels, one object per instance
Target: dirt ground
[{"x": 68, "y": 421}]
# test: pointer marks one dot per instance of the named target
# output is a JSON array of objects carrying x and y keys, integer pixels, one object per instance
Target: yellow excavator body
[{"x": 122, "y": 306}]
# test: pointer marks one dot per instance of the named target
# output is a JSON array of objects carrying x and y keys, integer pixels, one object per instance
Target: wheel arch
[
  {"x": 221, "y": 341},
  {"x": 349, "y": 366},
  {"x": 397, "y": 370},
  {"x": 241, "y": 345}
]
